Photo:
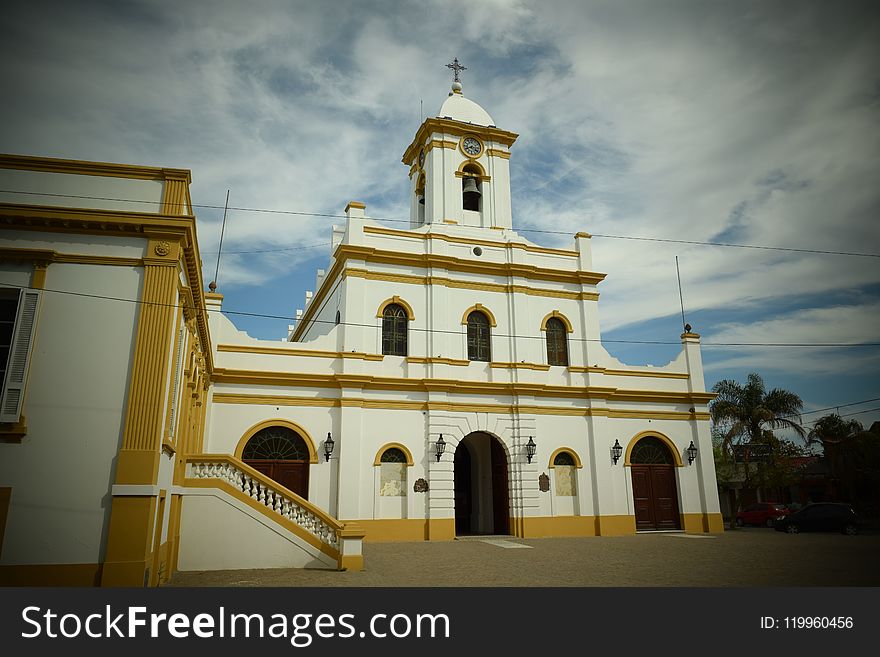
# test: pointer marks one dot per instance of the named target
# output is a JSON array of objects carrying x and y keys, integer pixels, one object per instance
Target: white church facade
[{"x": 444, "y": 379}]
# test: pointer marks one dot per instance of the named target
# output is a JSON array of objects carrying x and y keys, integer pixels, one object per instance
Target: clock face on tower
[{"x": 471, "y": 146}]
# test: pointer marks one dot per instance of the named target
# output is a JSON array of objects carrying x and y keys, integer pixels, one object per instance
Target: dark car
[
  {"x": 763, "y": 514},
  {"x": 822, "y": 517}
]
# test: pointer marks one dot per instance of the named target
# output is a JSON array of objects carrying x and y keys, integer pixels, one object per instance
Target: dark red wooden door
[
  {"x": 500, "y": 494},
  {"x": 293, "y": 475},
  {"x": 665, "y": 498},
  {"x": 654, "y": 496},
  {"x": 643, "y": 498}
]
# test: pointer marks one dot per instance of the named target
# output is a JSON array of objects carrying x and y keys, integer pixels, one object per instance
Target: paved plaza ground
[{"x": 748, "y": 557}]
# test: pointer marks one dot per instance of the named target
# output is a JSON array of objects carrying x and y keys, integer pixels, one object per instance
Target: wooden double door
[
  {"x": 293, "y": 475},
  {"x": 656, "y": 501}
]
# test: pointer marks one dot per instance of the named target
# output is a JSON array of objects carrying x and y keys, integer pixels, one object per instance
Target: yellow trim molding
[
  {"x": 558, "y": 315},
  {"x": 396, "y": 530},
  {"x": 437, "y": 361},
  {"x": 539, "y": 367},
  {"x": 478, "y": 307},
  {"x": 655, "y": 434},
  {"x": 702, "y": 523},
  {"x": 345, "y": 252},
  {"x": 65, "y": 574},
  {"x": 480, "y": 172},
  {"x": 379, "y": 230},
  {"x": 369, "y": 382},
  {"x": 83, "y": 167},
  {"x": 278, "y": 422},
  {"x": 5, "y": 502},
  {"x": 440, "y": 126},
  {"x": 557, "y": 526},
  {"x": 441, "y": 529},
  {"x": 615, "y": 525},
  {"x": 287, "y": 351},
  {"x": 398, "y": 301},
  {"x": 13, "y": 432},
  {"x": 497, "y": 152},
  {"x": 387, "y": 446},
  {"x": 501, "y": 288},
  {"x": 355, "y": 204},
  {"x": 568, "y": 450}
]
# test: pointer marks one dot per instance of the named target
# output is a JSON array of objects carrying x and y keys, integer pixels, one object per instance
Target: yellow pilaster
[{"x": 129, "y": 540}]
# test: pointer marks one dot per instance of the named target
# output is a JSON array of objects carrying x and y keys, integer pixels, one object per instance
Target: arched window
[
  {"x": 478, "y": 337},
  {"x": 338, "y": 317},
  {"x": 565, "y": 470},
  {"x": 393, "y": 463},
  {"x": 393, "y": 455},
  {"x": 276, "y": 443},
  {"x": 563, "y": 458},
  {"x": 394, "y": 321},
  {"x": 557, "y": 347},
  {"x": 651, "y": 450}
]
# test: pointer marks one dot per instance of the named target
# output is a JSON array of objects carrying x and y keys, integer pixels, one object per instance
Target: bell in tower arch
[{"x": 470, "y": 194}]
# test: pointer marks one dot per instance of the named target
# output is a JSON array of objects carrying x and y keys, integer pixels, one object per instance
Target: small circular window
[{"x": 478, "y": 251}]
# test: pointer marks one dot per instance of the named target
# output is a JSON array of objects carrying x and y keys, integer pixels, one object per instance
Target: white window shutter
[{"x": 19, "y": 356}]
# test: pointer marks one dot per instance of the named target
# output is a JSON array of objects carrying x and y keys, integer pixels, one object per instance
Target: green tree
[
  {"x": 853, "y": 455},
  {"x": 742, "y": 415}
]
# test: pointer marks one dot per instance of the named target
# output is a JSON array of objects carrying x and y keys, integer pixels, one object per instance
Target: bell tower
[{"x": 459, "y": 166}]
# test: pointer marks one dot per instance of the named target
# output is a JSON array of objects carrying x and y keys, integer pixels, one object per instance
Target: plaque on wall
[{"x": 544, "y": 483}]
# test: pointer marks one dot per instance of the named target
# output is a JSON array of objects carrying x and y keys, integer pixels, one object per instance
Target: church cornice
[
  {"x": 457, "y": 386},
  {"x": 370, "y": 254},
  {"x": 391, "y": 232},
  {"x": 123, "y": 223},
  {"x": 435, "y": 125}
]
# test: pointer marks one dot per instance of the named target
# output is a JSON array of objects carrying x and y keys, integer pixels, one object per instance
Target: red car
[{"x": 763, "y": 514}]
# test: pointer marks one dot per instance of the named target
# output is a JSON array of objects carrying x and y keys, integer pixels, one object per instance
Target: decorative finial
[
  {"x": 456, "y": 69},
  {"x": 212, "y": 286}
]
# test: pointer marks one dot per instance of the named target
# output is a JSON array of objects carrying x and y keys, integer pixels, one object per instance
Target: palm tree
[{"x": 743, "y": 414}]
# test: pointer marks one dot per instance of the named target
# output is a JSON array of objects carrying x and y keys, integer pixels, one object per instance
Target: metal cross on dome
[{"x": 456, "y": 69}]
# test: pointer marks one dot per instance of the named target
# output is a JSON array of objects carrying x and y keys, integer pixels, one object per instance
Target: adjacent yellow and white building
[{"x": 446, "y": 378}]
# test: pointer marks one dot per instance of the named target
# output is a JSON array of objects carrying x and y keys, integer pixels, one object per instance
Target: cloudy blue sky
[{"x": 743, "y": 122}]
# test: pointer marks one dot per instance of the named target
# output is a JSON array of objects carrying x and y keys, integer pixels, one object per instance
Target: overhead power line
[
  {"x": 495, "y": 335},
  {"x": 300, "y": 213}
]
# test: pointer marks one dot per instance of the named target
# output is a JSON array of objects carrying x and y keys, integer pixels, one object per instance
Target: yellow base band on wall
[{"x": 65, "y": 574}]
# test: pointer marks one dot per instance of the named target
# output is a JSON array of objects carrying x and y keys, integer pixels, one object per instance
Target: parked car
[
  {"x": 822, "y": 517},
  {"x": 763, "y": 514}
]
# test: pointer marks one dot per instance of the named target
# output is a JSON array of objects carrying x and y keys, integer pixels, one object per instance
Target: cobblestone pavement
[{"x": 744, "y": 557}]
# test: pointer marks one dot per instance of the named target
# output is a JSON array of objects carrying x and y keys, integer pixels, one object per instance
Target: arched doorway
[
  {"x": 281, "y": 454},
  {"x": 653, "y": 478},
  {"x": 482, "y": 499}
]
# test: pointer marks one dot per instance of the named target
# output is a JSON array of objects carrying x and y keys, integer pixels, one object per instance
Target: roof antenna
[
  {"x": 421, "y": 111},
  {"x": 687, "y": 327},
  {"x": 213, "y": 285}
]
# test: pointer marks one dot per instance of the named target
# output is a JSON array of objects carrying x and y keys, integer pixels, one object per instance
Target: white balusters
[{"x": 272, "y": 499}]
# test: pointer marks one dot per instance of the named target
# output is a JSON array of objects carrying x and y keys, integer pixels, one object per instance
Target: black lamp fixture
[
  {"x": 691, "y": 452},
  {"x": 329, "y": 444},
  {"x": 531, "y": 448},
  {"x": 616, "y": 451},
  {"x": 439, "y": 447}
]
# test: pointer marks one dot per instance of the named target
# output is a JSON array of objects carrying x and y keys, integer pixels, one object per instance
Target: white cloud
[{"x": 747, "y": 121}]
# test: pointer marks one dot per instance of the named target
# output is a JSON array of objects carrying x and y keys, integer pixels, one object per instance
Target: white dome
[{"x": 459, "y": 108}]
